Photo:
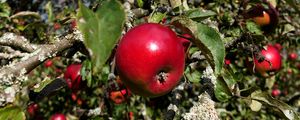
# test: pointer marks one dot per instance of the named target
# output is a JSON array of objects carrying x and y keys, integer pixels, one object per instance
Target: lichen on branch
[{"x": 15, "y": 72}]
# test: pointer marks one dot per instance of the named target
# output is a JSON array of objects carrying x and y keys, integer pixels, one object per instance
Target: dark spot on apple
[{"x": 162, "y": 76}]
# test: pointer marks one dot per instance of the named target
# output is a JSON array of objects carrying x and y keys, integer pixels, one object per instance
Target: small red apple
[
  {"x": 227, "y": 62},
  {"x": 73, "y": 24},
  {"x": 118, "y": 97},
  {"x": 130, "y": 116},
  {"x": 56, "y": 26},
  {"x": 293, "y": 56},
  {"x": 32, "y": 109},
  {"x": 262, "y": 20},
  {"x": 271, "y": 63},
  {"x": 58, "y": 116},
  {"x": 150, "y": 59},
  {"x": 72, "y": 76},
  {"x": 48, "y": 63},
  {"x": 276, "y": 92}
]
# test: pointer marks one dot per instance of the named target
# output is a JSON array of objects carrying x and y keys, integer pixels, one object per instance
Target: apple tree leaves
[
  {"x": 12, "y": 113},
  {"x": 280, "y": 107},
  {"x": 207, "y": 39},
  {"x": 102, "y": 30}
]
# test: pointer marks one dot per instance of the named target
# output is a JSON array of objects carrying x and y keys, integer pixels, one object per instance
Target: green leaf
[
  {"x": 253, "y": 28},
  {"x": 198, "y": 15},
  {"x": 4, "y": 10},
  {"x": 207, "y": 39},
  {"x": 101, "y": 30},
  {"x": 192, "y": 75},
  {"x": 222, "y": 91},
  {"x": 49, "y": 10},
  {"x": 284, "y": 109},
  {"x": 12, "y": 113},
  {"x": 140, "y": 3},
  {"x": 43, "y": 84},
  {"x": 156, "y": 17},
  {"x": 229, "y": 77}
]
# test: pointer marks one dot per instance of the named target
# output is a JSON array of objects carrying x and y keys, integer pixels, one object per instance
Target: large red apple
[
  {"x": 72, "y": 76},
  {"x": 150, "y": 59},
  {"x": 271, "y": 62}
]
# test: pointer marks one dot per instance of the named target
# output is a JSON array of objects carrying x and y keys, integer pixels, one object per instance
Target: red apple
[
  {"x": 48, "y": 63},
  {"x": 271, "y": 63},
  {"x": 32, "y": 109},
  {"x": 276, "y": 92},
  {"x": 227, "y": 62},
  {"x": 262, "y": 20},
  {"x": 293, "y": 56},
  {"x": 56, "y": 26},
  {"x": 150, "y": 59},
  {"x": 58, "y": 116},
  {"x": 72, "y": 76},
  {"x": 118, "y": 97},
  {"x": 130, "y": 115},
  {"x": 73, "y": 24}
]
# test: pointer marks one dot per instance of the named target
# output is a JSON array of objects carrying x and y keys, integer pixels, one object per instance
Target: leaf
[
  {"x": 85, "y": 72},
  {"x": 255, "y": 105},
  {"x": 175, "y": 3},
  {"x": 156, "y": 17},
  {"x": 53, "y": 86},
  {"x": 222, "y": 91},
  {"x": 12, "y": 113},
  {"x": 229, "y": 77},
  {"x": 197, "y": 14},
  {"x": 285, "y": 110},
  {"x": 49, "y": 10},
  {"x": 253, "y": 28},
  {"x": 101, "y": 30},
  {"x": 4, "y": 10},
  {"x": 207, "y": 39},
  {"x": 192, "y": 75},
  {"x": 43, "y": 84},
  {"x": 140, "y": 3}
]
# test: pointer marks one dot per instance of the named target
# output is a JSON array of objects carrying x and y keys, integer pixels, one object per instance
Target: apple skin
[
  {"x": 48, "y": 63},
  {"x": 118, "y": 97},
  {"x": 72, "y": 76},
  {"x": 147, "y": 51},
  {"x": 276, "y": 92},
  {"x": 272, "y": 61},
  {"x": 58, "y": 116},
  {"x": 293, "y": 56},
  {"x": 32, "y": 109},
  {"x": 262, "y": 20}
]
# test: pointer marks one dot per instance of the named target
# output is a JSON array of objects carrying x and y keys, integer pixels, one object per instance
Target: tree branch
[
  {"x": 41, "y": 53},
  {"x": 16, "y": 41}
]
